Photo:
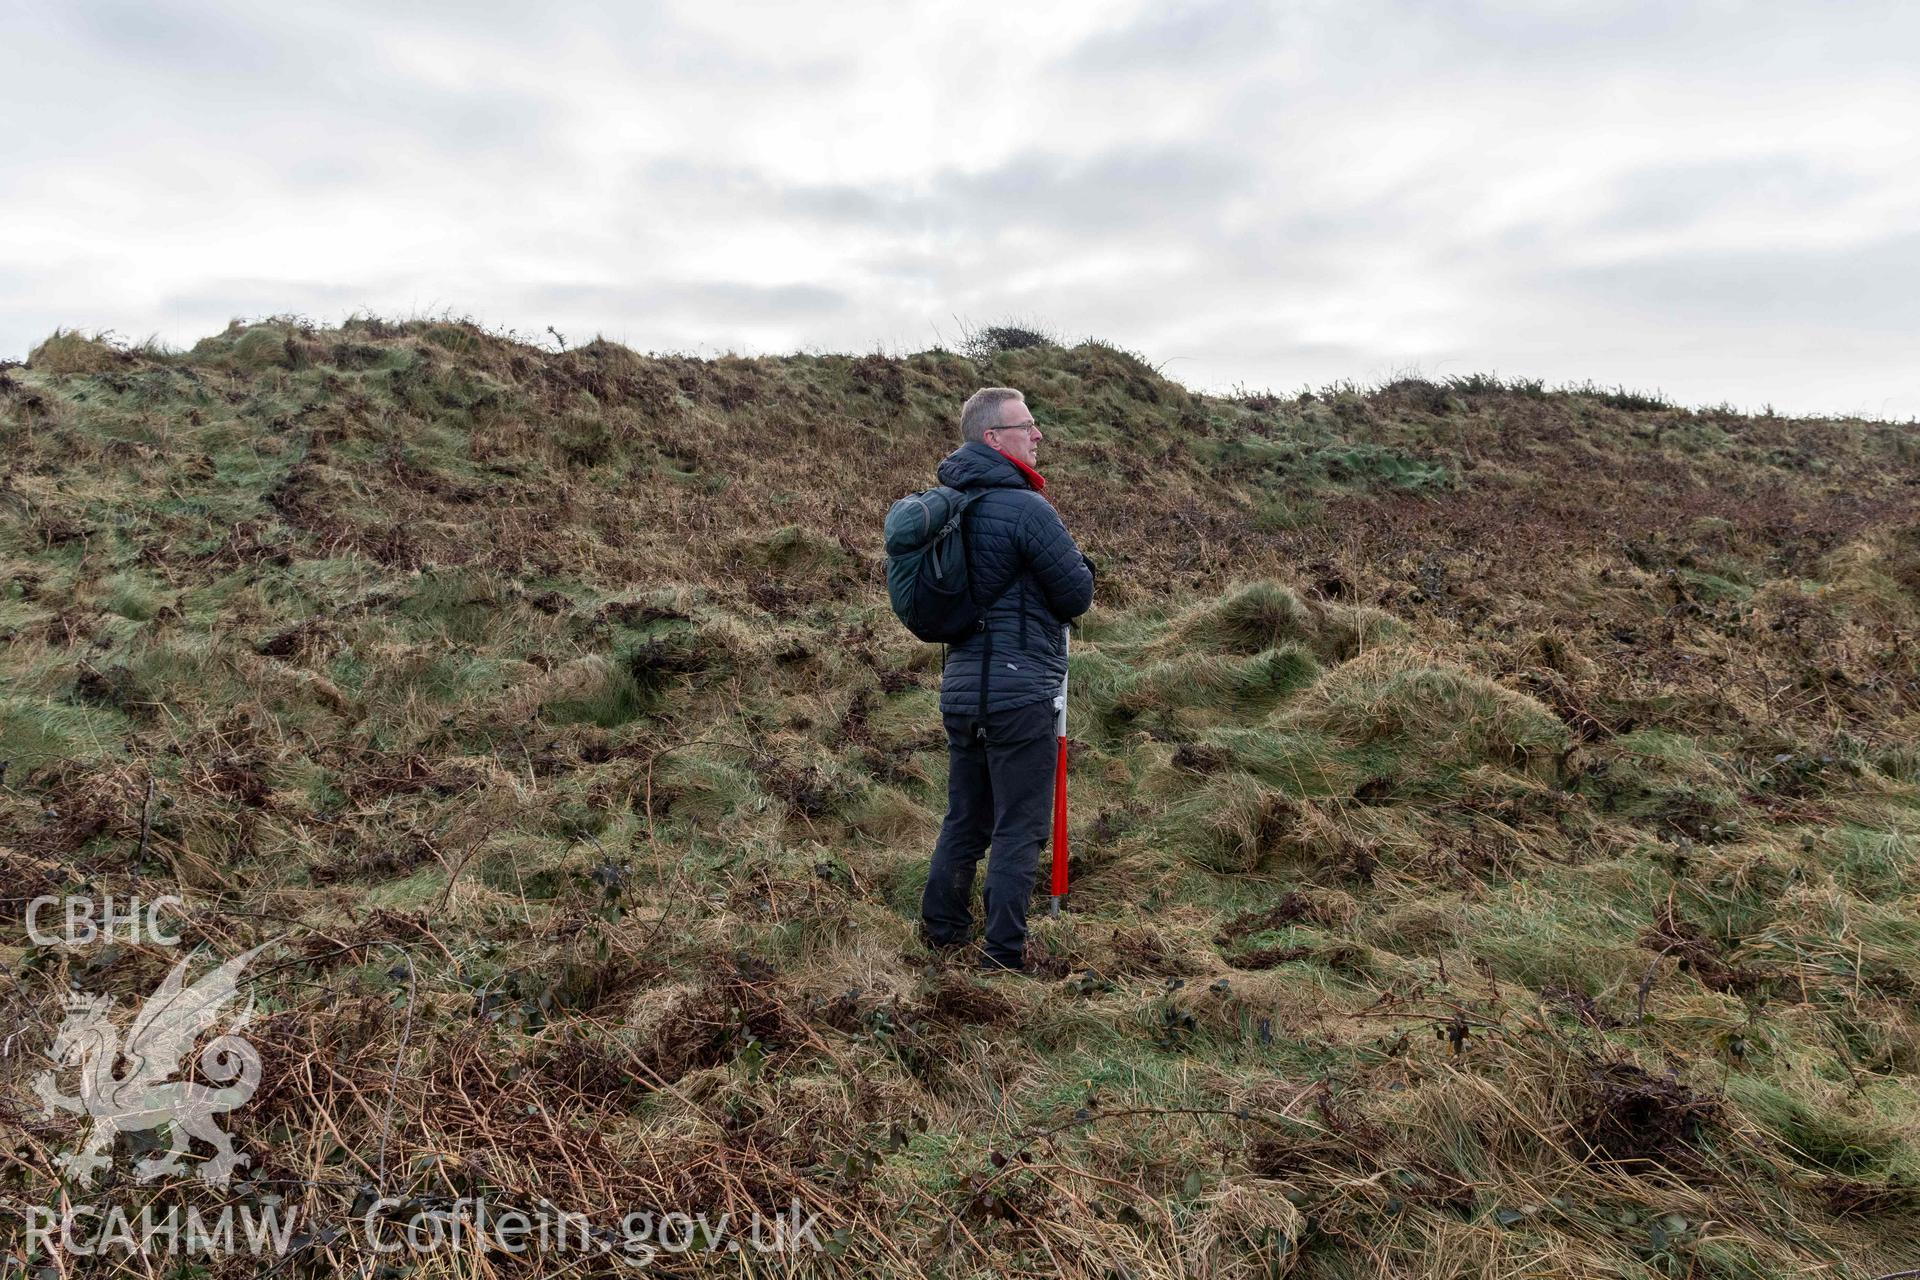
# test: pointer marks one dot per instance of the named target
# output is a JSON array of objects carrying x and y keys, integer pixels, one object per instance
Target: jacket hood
[{"x": 980, "y": 466}]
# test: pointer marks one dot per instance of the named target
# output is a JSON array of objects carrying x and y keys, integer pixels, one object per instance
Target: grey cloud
[
  {"x": 1679, "y": 195},
  {"x": 1180, "y": 37},
  {"x": 1869, "y": 287},
  {"x": 732, "y": 301},
  {"x": 186, "y": 39},
  {"x": 246, "y": 77},
  {"x": 245, "y": 299},
  {"x": 1142, "y": 191},
  {"x": 1763, "y": 42}
]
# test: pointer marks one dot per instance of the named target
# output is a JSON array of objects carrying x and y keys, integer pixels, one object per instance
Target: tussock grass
[
  {"x": 69, "y": 352},
  {"x": 1429, "y": 714},
  {"x": 1215, "y": 684},
  {"x": 1263, "y": 615}
]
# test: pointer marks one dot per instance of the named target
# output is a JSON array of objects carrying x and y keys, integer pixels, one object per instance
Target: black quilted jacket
[{"x": 1026, "y": 557}]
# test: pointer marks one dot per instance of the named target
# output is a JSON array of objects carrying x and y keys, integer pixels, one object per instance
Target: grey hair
[{"x": 982, "y": 411}]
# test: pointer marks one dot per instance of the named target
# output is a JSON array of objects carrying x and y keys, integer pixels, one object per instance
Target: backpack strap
[
  {"x": 986, "y": 647},
  {"x": 966, "y": 546},
  {"x": 966, "y": 550}
]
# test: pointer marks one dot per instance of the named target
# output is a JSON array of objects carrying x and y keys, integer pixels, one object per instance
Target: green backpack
[{"x": 930, "y": 565}]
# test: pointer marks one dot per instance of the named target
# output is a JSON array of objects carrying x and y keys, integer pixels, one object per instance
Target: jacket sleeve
[{"x": 1063, "y": 573}]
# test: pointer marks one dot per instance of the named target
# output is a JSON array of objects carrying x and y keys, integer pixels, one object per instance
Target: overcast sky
[{"x": 1720, "y": 200}]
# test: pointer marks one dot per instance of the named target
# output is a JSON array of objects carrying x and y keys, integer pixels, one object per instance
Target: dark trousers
[{"x": 999, "y": 792}]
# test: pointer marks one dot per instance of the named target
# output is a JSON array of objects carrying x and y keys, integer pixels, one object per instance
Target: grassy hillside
[{"x": 1495, "y": 809}]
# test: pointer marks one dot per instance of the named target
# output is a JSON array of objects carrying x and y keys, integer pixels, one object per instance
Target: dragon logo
[{"x": 145, "y": 1095}]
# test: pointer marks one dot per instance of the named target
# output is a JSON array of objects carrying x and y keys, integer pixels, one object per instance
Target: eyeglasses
[{"x": 1018, "y": 426}]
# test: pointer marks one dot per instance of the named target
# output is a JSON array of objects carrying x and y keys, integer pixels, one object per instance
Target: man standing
[{"x": 997, "y": 691}]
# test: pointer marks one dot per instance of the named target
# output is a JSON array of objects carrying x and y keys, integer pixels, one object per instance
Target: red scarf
[{"x": 1034, "y": 478}]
